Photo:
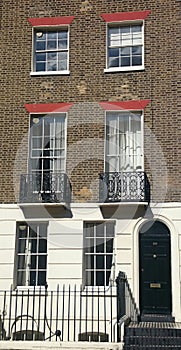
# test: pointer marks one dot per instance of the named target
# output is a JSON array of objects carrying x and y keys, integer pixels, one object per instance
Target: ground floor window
[
  {"x": 98, "y": 253},
  {"x": 31, "y": 254}
]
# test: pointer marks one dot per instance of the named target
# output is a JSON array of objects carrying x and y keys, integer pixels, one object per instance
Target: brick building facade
[{"x": 84, "y": 99}]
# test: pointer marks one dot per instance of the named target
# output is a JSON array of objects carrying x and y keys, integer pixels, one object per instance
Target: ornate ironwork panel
[
  {"x": 124, "y": 186},
  {"x": 45, "y": 188}
]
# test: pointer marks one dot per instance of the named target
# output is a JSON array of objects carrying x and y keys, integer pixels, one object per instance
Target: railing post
[{"x": 121, "y": 302}]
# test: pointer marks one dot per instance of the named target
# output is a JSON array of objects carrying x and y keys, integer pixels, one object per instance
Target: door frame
[
  {"x": 145, "y": 239},
  {"x": 175, "y": 279}
]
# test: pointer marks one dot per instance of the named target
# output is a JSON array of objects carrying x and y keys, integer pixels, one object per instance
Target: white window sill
[
  {"x": 64, "y": 72},
  {"x": 101, "y": 290},
  {"x": 123, "y": 69}
]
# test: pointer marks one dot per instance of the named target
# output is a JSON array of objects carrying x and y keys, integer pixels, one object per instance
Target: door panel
[{"x": 155, "y": 270}]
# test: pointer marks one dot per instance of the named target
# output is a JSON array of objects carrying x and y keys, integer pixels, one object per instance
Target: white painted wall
[{"x": 65, "y": 241}]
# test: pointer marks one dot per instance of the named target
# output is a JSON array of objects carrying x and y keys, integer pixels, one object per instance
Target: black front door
[{"x": 155, "y": 269}]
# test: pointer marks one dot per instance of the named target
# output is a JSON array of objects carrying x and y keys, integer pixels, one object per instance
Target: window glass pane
[
  {"x": 22, "y": 230},
  {"x": 21, "y": 278},
  {"x": 52, "y": 61},
  {"x": 51, "y": 35},
  {"x": 47, "y": 130},
  {"x": 21, "y": 245},
  {"x": 59, "y": 154},
  {"x": 46, "y": 168},
  {"x": 109, "y": 261},
  {"x": 90, "y": 230},
  {"x": 40, "y": 45},
  {"x": 89, "y": 278},
  {"x": 36, "y": 153},
  {"x": 41, "y": 278},
  {"x": 32, "y": 246},
  {"x": 62, "y": 44},
  {"x": 113, "y": 58},
  {"x": 51, "y": 44},
  {"x": 135, "y": 123},
  {"x": 109, "y": 246},
  {"x": 100, "y": 262},
  {"x": 43, "y": 231},
  {"x": 32, "y": 281},
  {"x": 33, "y": 261},
  {"x": 126, "y": 39},
  {"x": 100, "y": 230},
  {"x": 99, "y": 278},
  {"x": 136, "y": 28},
  {"x": 40, "y": 67},
  {"x": 33, "y": 230},
  {"x": 125, "y": 51},
  {"x": 89, "y": 261},
  {"x": 99, "y": 245},
  {"x": 125, "y": 61},
  {"x": 63, "y": 40},
  {"x": 137, "y": 39},
  {"x": 108, "y": 273},
  {"x": 42, "y": 246},
  {"x": 89, "y": 245},
  {"x": 36, "y": 142},
  {"x": 125, "y": 30},
  {"x": 42, "y": 262},
  {"x": 109, "y": 229},
  {"x": 36, "y": 126},
  {"x": 137, "y": 61},
  {"x": 47, "y": 153},
  {"x": 113, "y": 53},
  {"x": 62, "y": 61},
  {"x": 111, "y": 164},
  {"x": 114, "y": 37},
  {"x": 21, "y": 262},
  {"x": 40, "y": 36},
  {"x": 136, "y": 50},
  {"x": 40, "y": 57}
]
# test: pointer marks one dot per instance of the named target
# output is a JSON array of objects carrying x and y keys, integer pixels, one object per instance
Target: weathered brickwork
[{"x": 87, "y": 85}]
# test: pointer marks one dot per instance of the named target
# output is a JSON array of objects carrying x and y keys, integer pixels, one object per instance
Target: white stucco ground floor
[{"x": 72, "y": 232}]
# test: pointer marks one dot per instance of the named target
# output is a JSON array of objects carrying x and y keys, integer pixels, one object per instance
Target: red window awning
[
  {"x": 125, "y": 16},
  {"x": 51, "y": 21},
  {"x": 48, "y": 107},
  {"x": 132, "y": 105}
]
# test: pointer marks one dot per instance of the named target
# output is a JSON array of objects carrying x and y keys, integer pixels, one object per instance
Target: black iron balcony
[
  {"x": 124, "y": 187},
  {"x": 46, "y": 187}
]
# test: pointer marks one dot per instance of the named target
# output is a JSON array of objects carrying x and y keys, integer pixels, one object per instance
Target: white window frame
[
  {"x": 127, "y": 68},
  {"x": 142, "y": 133},
  {"x": 105, "y": 270},
  {"x": 33, "y": 61},
  {"x": 31, "y": 115},
  {"x": 27, "y": 254}
]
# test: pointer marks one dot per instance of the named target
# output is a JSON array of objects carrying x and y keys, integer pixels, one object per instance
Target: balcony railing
[
  {"x": 45, "y": 187},
  {"x": 124, "y": 187}
]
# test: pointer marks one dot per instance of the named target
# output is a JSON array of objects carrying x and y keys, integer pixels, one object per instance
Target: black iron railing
[
  {"x": 67, "y": 314},
  {"x": 126, "y": 305},
  {"x": 124, "y": 187},
  {"x": 45, "y": 187}
]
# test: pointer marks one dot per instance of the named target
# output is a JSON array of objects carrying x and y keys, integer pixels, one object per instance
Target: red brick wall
[{"x": 87, "y": 83}]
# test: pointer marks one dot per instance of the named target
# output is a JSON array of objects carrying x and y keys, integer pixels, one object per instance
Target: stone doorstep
[{"x": 41, "y": 345}]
